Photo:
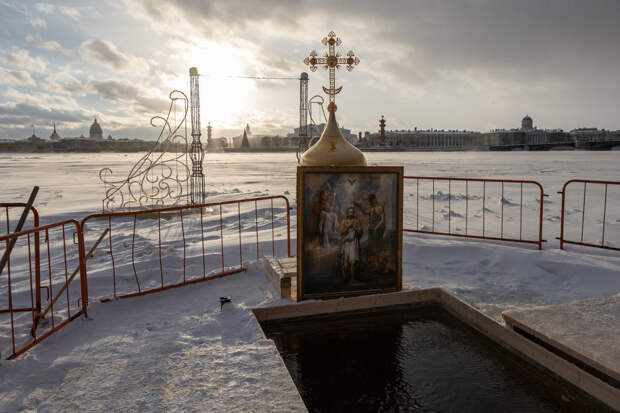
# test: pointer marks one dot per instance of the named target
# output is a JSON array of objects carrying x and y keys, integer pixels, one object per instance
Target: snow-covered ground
[{"x": 152, "y": 344}]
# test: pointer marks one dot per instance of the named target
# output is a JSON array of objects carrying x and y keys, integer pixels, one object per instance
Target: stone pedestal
[{"x": 282, "y": 272}]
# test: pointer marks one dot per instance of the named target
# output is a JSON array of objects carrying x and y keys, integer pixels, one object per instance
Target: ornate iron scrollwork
[{"x": 160, "y": 178}]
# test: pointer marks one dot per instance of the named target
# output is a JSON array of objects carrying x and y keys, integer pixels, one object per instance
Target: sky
[{"x": 460, "y": 64}]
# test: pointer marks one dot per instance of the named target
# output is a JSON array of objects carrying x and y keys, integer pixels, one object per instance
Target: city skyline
[{"x": 474, "y": 65}]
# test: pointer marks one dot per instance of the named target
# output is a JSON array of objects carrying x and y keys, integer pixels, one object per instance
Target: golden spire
[{"x": 332, "y": 149}]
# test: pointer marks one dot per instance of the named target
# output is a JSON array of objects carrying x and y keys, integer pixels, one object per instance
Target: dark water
[{"x": 411, "y": 360}]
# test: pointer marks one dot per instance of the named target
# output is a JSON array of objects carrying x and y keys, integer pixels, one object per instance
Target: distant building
[
  {"x": 583, "y": 135},
  {"x": 34, "y": 138},
  {"x": 317, "y": 130},
  {"x": 527, "y": 123},
  {"x": 54, "y": 136},
  {"x": 430, "y": 139},
  {"x": 95, "y": 131}
]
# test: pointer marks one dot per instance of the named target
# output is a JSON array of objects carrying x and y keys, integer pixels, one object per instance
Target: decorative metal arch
[
  {"x": 159, "y": 178},
  {"x": 304, "y": 144}
]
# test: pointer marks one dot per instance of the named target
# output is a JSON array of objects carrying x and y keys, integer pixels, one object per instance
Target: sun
[{"x": 225, "y": 100}]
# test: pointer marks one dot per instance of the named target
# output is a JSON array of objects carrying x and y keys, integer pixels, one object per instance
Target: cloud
[
  {"x": 26, "y": 108},
  {"x": 15, "y": 78},
  {"x": 105, "y": 52},
  {"x": 53, "y": 46},
  {"x": 125, "y": 92},
  {"x": 21, "y": 58},
  {"x": 64, "y": 82},
  {"x": 46, "y": 8},
  {"x": 38, "y": 22}
]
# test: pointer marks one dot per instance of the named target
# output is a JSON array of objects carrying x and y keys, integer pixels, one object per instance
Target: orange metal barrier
[
  {"x": 8, "y": 206},
  {"x": 19, "y": 288},
  {"x": 140, "y": 261},
  {"x": 65, "y": 300},
  {"x": 448, "y": 201},
  {"x": 601, "y": 220}
]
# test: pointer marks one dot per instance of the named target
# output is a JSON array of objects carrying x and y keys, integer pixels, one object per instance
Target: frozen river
[{"x": 70, "y": 184}]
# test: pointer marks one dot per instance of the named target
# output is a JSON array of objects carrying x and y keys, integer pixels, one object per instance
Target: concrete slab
[{"x": 588, "y": 331}]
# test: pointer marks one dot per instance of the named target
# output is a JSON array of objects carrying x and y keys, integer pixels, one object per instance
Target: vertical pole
[
  {"x": 502, "y": 224},
  {"x": 83, "y": 275},
  {"x": 521, "y": 214},
  {"x": 540, "y": 217},
  {"x": 449, "y": 205},
  {"x": 583, "y": 209},
  {"x": 133, "y": 248},
  {"x": 466, "y": 204},
  {"x": 433, "y": 205},
  {"x": 604, "y": 216},
  {"x": 256, "y": 215},
  {"x": 37, "y": 261},
  {"x": 303, "y": 108},
  {"x": 240, "y": 246},
  {"x": 222, "y": 237},
  {"x": 112, "y": 256},
  {"x": 202, "y": 241},
  {"x": 288, "y": 228},
  {"x": 417, "y": 204},
  {"x": 562, "y": 217},
  {"x": 484, "y": 198},
  {"x": 184, "y": 253},
  {"x": 11, "y": 296},
  {"x": 197, "y": 180},
  {"x": 161, "y": 265}
]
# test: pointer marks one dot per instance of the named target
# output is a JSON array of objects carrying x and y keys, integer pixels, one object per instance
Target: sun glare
[{"x": 224, "y": 99}]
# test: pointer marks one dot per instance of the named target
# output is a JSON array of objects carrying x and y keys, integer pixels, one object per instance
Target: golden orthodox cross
[{"x": 332, "y": 61}]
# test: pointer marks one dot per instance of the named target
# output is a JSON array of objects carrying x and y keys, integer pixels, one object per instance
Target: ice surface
[
  {"x": 139, "y": 353},
  {"x": 592, "y": 335}
]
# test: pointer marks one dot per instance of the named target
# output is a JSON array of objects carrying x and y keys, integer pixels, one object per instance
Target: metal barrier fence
[
  {"x": 21, "y": 279},
  {"x": 139, "y": 260},
  {"x": 465, "y": 208},
  {"x": 601, "y": 219},
  {"x": 43, "y": 256},
  {"x": 6, "y": 222}
]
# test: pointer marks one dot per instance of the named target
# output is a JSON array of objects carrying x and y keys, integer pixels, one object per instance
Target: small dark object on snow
[{"x": 224, "y": 300}]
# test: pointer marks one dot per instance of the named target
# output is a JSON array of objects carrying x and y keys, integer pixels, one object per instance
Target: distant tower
[
  {"x": 197, "y": 179},
  {"x": 527, "y": 123},
  {"x": 382, "y": 126},
  {"x": 54, "y": 136},
  {"x": 244, "y": 142},
  {"x": 95, "y": 131},
  {"x": 209, "y": 137},
  {"x": 303, "y": 107}
]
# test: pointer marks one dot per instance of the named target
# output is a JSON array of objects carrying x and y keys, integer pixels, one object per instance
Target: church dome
[
  {"x": 95, "y": 131},
  {"x": 527, "y": 123}
]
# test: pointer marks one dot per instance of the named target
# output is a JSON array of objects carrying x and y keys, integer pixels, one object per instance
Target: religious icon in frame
[{"x": 349, "y": 230}]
